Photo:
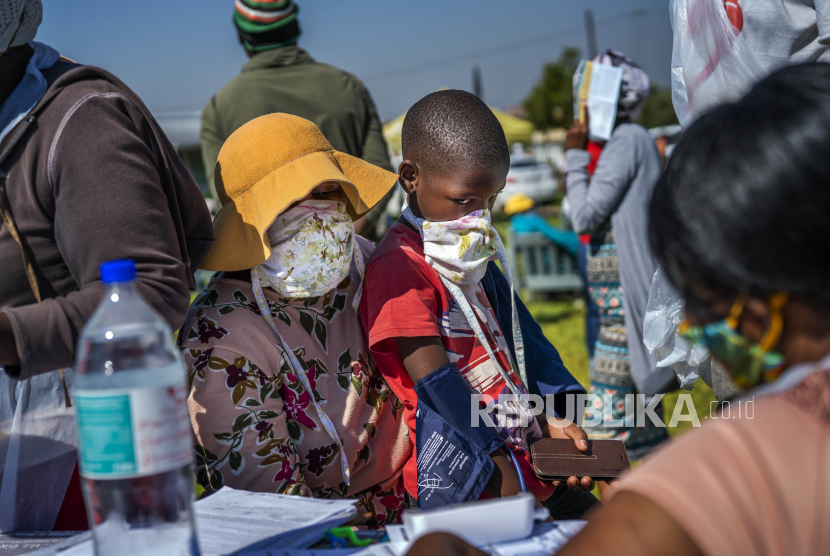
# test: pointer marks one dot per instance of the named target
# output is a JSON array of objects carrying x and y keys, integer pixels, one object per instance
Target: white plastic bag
[
  {"x": 712, "y": 62},
  {"x": 664, "y": 313},
  {"x": 37, "y": 450}
]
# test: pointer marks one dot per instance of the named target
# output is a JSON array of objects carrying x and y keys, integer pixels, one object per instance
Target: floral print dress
[{"x": 256, "y": 426}]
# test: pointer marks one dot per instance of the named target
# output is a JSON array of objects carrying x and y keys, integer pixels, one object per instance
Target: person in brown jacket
[{"x": 86, "y": 176}]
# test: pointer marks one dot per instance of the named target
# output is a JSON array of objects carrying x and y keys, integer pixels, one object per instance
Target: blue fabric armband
[{"x": 452, "y": 442}]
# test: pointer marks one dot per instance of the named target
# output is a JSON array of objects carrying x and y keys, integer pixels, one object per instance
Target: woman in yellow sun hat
[{"x": 285, "y": 397}]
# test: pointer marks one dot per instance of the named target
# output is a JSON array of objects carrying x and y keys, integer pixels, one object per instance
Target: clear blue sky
[{"x": 177, "y": 53}]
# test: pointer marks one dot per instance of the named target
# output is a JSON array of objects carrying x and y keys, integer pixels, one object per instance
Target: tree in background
[
  {"x": 550, "y": 102},
  {"x": 657, "y": 109}
]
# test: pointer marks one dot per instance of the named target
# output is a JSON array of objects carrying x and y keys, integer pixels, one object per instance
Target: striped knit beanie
[{"x": 266, "y": 24}]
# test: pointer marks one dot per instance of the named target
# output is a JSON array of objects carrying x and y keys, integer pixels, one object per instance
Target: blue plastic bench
[{"x": 539, "y": 265}]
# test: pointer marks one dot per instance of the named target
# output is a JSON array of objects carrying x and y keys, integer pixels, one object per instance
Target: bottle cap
[{"x": 118, "y": 271}]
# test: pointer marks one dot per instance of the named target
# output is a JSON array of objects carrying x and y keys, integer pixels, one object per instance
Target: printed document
[
  {"x": 248, "y": 523},
  {"x": 597, "y": 89}
]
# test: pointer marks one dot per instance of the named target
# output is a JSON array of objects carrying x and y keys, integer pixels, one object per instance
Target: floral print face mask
[
  {"x": 311, "y": 249},
  {"x": 459, "y": 249}
]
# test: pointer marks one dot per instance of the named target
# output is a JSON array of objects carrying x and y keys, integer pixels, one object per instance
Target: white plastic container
[{"x": 479, "y": 523}]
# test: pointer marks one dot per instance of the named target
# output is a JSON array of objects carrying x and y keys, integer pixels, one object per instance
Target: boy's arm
[{"x": 422, "y": 355}]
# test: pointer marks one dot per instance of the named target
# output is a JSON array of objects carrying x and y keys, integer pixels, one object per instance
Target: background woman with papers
[{"x": 611, "y": 205}]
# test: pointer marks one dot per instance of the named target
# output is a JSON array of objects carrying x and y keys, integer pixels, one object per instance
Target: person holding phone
[
  {"x": 86, "y": 176},
  {"x": 754, "y": 272},
  {"x": 435, "y": 322}
]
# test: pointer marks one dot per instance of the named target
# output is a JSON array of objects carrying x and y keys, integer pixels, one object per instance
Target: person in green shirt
[{"x": 282, "y": 77}]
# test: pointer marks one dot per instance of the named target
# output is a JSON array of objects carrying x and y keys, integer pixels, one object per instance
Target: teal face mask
[{"x": 749, "y": 363}]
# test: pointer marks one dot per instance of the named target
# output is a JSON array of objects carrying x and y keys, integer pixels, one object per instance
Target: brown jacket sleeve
[{"x": 108, "y": 204}]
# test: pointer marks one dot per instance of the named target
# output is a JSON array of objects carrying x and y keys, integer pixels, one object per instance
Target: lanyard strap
[
  {"x": 464, "y": 305},
  {"x": 256, "y": 280},
  {"x": 361, "y": 269},
  {"x": 467, "y": 310},
  {"x": 518, "y": 339}
]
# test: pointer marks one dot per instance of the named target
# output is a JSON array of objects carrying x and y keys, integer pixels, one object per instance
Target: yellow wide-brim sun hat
[{"x": 264, "y": 167}]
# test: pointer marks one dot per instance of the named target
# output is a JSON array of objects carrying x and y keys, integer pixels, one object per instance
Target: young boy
[{"x": 455, "y": 164}]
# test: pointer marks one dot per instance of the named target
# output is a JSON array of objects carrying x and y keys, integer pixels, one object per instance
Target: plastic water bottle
[{"x": 133, "y": 426}]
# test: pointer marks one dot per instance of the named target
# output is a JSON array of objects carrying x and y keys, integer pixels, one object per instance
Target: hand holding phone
[
  {"x": 556, "y": 459},
  {"x": 554, "y": 427}
]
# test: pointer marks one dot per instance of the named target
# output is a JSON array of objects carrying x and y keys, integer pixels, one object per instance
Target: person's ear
[
  {"x": 408, "y": 176},
  {"x": 755, "y": 319}
]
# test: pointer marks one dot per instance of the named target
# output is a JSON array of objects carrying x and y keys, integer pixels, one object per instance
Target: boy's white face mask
[
  {"x": 311, "y": 249},
  {"x": 459, "y": 249}
]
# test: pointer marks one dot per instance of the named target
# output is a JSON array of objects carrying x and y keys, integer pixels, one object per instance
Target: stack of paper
[
  {"x": 312, "y": 551},
  {"x": 12, "y": 544},
  {"x": 247, "y": 523},
  {"x": 597, "y": 91},
  {"x": 240, "y": 523},
  {"x": 547, "y": 538}
]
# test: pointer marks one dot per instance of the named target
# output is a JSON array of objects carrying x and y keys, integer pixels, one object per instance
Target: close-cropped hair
[
  {"x": 453, "y": 129},
  {"x": 744, "y": 204}
]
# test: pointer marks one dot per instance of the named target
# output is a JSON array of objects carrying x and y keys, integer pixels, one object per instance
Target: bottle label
[{"x": 133, "y": 432}]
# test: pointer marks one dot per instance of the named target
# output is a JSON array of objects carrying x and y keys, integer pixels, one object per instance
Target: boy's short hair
[{"x": 449, "y": 129}]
